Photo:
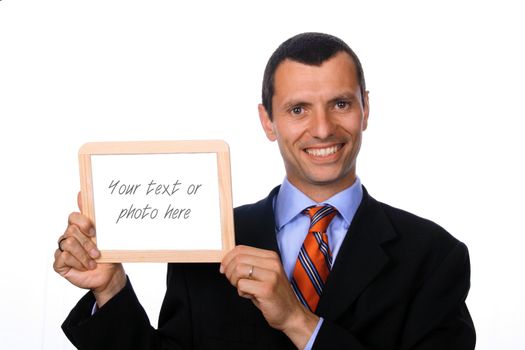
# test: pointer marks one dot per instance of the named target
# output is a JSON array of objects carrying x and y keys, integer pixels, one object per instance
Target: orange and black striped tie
[{"x": 315, "y": 259}]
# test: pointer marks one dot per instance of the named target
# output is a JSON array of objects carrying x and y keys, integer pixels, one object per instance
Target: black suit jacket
[{"x": 399, "y": 282}]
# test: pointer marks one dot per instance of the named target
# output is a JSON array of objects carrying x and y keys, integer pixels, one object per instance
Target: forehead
[{"x": 333, "y": 75}]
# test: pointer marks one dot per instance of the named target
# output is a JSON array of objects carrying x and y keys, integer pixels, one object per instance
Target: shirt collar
[{"x": 290, "y": 202}]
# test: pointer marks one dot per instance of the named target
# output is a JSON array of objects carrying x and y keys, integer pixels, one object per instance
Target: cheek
[{"x": 354, "y": 126}]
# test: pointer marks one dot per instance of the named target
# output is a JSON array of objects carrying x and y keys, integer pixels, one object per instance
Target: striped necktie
[{"x": 315, "y": 259}]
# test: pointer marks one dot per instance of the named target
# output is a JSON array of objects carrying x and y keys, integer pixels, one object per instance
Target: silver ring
[
  {"x": 60, "y": 242},
  {"x": 251, "y": 272}
]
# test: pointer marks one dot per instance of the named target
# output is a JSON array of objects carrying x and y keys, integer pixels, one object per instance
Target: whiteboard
[{"x": 162, "y": 201}]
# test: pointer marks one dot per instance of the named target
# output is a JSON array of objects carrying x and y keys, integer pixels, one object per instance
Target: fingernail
[
  {"x": 221, "y": 269},
  {"x": 92, "y": 231},
  {"x": 94, "y": 253},
  {"x": 92, "y": 265}
]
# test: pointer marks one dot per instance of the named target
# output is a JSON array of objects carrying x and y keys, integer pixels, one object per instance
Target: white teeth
[{"x": 322, "y": 152}]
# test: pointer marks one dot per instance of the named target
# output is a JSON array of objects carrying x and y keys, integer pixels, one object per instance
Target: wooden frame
[{"x": 162, "y": 147}]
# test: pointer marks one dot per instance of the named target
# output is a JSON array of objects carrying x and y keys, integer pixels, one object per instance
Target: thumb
[{"x": 79, "y": 200}]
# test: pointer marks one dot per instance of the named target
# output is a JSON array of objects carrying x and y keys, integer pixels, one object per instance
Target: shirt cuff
[{"x": 314, "y": 335}]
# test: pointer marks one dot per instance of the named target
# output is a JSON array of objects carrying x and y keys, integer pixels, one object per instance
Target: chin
[{"x": 329, "y": 179}]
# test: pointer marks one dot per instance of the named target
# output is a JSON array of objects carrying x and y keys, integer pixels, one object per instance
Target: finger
[
  {"x": 64, "y": 261},
  {"x": 246, "y": 295},
  {"x": 247, "y": 250},
  {"x": 235, "y": 272},
  {"x": 265, "y": 288},
  {"x": 85, "y": 241},
  {"x": 239, "y": 262},
  {"x": 82, "y": 222},
  {"x": 252, "y": 289},
  {"x": 80, "y": 246},
  {"x": 258, "y": 273},
  {"x": 244, "y": 251},
  {"x": 72, "y": 247},
  {"x": 240, "y": 265}
]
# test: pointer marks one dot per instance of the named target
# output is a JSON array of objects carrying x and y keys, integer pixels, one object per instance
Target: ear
[
  {"x": 366, "y": 110},
  {"x": 266, "y": 123}
]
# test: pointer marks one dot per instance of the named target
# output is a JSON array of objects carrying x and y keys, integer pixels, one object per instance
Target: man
[{"x": 318, "y": 264}]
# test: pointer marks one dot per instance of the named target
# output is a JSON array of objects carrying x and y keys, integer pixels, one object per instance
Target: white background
[{"x": 444, "y": 139}]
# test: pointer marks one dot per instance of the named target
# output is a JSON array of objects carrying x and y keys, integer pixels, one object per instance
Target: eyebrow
[
  {"x": 345, "y": 97},
  {"x": 295, "y": 103}
]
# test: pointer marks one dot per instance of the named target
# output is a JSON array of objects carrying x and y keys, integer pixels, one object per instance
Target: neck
[{"x": 322, "y": 191}]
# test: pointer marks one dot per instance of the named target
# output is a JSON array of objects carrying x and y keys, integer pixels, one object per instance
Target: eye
[
  {"x": 296, "y": 110},
  {"x": 341, "y": 104}
]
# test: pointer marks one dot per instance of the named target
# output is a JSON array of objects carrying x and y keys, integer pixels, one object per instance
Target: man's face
[{"x": 318, "y": 119}]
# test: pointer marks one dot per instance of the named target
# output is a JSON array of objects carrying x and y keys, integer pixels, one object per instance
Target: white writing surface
[{"x": 156, "y": 201}]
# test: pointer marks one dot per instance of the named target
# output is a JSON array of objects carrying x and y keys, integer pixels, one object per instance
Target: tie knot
[{"x": 320, "y": 217}]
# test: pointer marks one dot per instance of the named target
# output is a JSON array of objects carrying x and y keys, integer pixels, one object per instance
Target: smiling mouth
[{"x": 323, "y": 152}]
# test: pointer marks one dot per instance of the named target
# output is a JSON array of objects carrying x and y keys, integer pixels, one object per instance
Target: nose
[{"x": 322, "y": 125}]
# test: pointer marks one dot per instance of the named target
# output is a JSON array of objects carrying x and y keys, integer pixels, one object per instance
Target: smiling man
[{"x": 319, "y": 263}]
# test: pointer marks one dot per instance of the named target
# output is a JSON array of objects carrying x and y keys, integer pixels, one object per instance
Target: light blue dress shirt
[{"x": 292, "y": 225}]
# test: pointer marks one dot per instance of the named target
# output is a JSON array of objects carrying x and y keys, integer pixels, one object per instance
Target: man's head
[
  {"x": 318, "y": 113},
  {"x": 310, "y": 49}
]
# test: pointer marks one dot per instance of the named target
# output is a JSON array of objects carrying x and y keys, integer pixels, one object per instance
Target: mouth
[{"x": 323, "y": 152}]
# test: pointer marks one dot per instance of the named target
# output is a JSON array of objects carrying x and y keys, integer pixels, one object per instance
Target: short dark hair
[{"x": 311, "y": 49}]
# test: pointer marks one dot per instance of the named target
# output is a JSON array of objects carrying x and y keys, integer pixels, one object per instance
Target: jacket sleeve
[
  {"x": 122, "y": 323},
  {"x": 437, "y": 317}
]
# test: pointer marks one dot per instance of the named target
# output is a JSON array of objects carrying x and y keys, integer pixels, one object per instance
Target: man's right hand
[{"x": 74, "y": 260}]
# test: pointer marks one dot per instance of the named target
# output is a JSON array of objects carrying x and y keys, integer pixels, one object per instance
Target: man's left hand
[{"x": 259, "y": 275}]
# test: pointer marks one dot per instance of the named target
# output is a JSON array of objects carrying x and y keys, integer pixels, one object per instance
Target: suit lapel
[{"x": 359, "y": 260}]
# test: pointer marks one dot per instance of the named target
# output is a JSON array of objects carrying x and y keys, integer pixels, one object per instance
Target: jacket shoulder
[
  {"x": 249, "y": 213},
  {"x": 421, "y": 236},
  {"x": 255, "y": 222},
  {"x": 405, "y": 221}
]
